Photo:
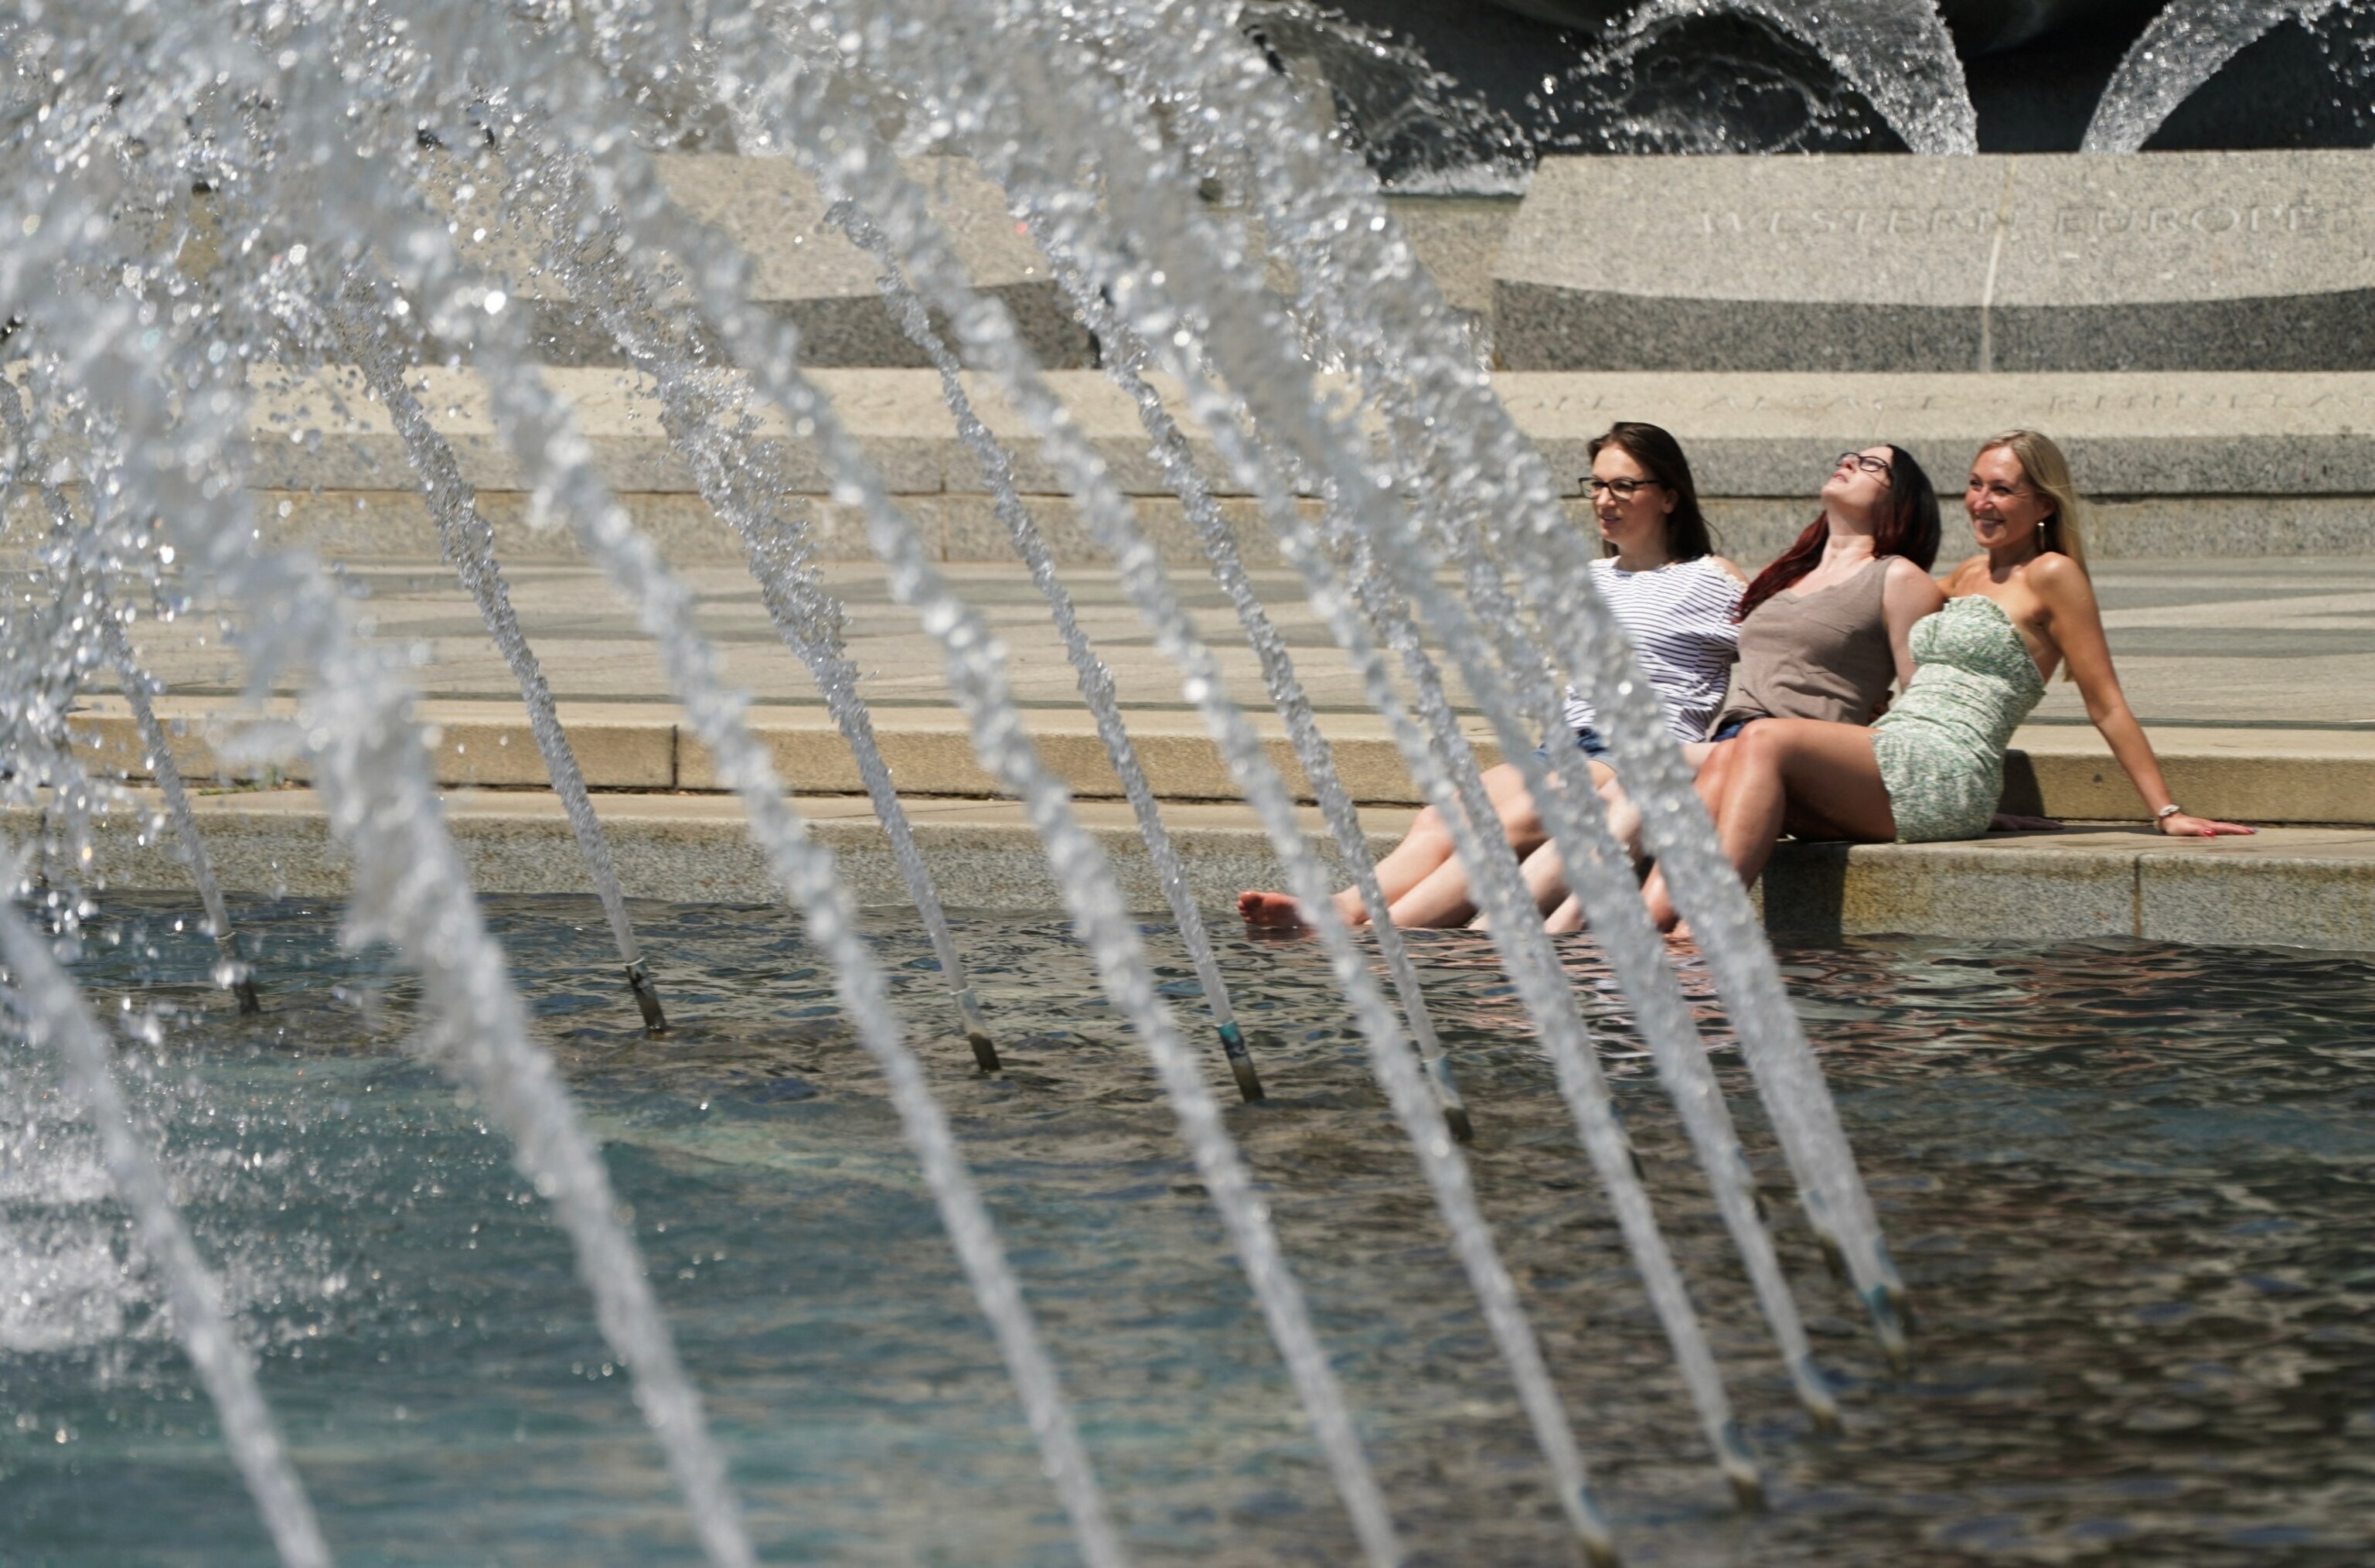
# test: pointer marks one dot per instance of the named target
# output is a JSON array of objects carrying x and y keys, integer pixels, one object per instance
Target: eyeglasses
[
  {"x": 1622, "y": 489},
  {"x": 1864, "y": 461}
]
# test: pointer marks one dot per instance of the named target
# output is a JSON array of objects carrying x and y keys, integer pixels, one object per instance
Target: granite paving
[{"x": 2251, "y": 644}]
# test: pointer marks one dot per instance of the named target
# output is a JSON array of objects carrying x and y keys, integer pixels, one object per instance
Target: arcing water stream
[{"x": 325, "y": 139}]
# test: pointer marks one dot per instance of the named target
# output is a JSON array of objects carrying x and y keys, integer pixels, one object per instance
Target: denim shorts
[
  {"x": 1589, "y": 739},
  {"x": 1731, "y": 727}
]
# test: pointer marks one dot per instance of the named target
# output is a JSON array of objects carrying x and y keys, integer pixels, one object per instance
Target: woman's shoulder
[
  {"x": 1724, "y": 568},
  {"x": 2053, "y": 569},
  {"x": 1957, "y": 582}
]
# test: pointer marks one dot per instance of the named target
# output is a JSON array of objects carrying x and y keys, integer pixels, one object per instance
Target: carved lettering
[{"x": 2074, "y": 220}]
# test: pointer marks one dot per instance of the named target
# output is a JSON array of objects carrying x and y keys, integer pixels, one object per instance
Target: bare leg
[
  {"x": 1424, "y": 851},
  {"x": 1545, "y": 877},
  {"x": 1447, "y": 897},
  {"x": 1796, "y": 774}
]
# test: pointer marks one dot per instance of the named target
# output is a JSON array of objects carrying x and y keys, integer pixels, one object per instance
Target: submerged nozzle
[
  {"x": 646, "y": 1000},
  {"x": 1814, "y": 1393},
  {"x": 1241, "y": 1063},
  {"x": 232, "y": 974},
  {"x": 1888, "y": 1309},
  {"x": 1739, "y": 1469},
  {"x": 1447, "y": 1096},
  {"x": 1834, "y": 1258},
  {"x": 976, "y": 1031},
  {"x": 1592, "y": 1534}
]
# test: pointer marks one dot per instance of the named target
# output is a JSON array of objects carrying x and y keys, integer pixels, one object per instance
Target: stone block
[
  {"x": 2199, "y": 894},
  {"x": 485, "y": 745},
  {"x": 1457, "y": 240},
  {"x": 2192, "y": 262},
  {"x": 1980, "y": 890},
  {"x": 2264, "y": 777},
  {"x": 808, "y": 273},
  {"x": 974, "y": 532}
]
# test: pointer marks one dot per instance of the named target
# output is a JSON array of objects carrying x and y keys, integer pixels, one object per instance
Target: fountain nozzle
[
  {"x": 1241, "y": 1063},
  {"x": 647, "y": 1000}
]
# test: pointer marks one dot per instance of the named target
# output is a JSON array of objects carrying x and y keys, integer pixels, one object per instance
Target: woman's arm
[
  {"x": 1907, "y": 596},
  {"x": 2075, "y": 624}
]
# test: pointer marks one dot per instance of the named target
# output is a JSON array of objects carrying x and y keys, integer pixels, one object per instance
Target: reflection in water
[{"x": 2130, "y": 1184}]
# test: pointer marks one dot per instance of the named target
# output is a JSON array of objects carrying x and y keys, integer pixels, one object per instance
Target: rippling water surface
[{"x": 2133, "y": 1188}]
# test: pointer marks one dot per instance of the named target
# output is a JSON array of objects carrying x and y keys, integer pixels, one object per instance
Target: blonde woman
[{"x": 1931, "y": 767}]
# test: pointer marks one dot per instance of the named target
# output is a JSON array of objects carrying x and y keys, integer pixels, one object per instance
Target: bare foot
[{"x": 1271, "y": 912}]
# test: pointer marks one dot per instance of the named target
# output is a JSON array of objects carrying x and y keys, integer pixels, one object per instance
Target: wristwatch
[{"x": 2171, "y": 809}]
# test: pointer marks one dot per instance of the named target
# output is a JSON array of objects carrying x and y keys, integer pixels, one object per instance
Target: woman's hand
[{"x": 2178, "y": 825}]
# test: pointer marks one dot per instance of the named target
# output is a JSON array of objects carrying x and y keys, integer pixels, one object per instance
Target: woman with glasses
[
  {"x": 1826, "y": 630},
  {"x": 1675, "y": 599},
  {"x": 1931, "y": 768}
]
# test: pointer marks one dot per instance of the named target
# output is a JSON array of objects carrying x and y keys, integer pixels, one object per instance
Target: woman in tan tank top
[{"x": 1824, "y": 630}]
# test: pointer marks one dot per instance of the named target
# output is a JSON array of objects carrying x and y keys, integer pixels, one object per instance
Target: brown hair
[
  {"x": 1660, "y": 456},
  {"x": 2046, "y": 469},
  {"x": 1909, "y": 527}
]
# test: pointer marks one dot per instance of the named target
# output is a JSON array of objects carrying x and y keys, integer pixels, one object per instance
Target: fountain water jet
[
  {"x": 1096, "y": 683},
  {"x": 1182, "y": 290},
  {"x": 470, "y": 545},
  {"x": 1396, "y": 327},
  {"x": 105, "y": 621},
  {"x": 1537, "y": 974},
  {"x": 1124, "y": 355},
  {"x": 1895, "y": 52},
  {"x": 699, "y": 414},
  {"x": 2183, "y": 47},
  {"x": 542, "y": 434},
  {"x": 50, "y": 1011}
]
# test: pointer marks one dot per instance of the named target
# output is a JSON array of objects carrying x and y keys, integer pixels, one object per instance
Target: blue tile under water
[{"x": 2133, "y": 1188}]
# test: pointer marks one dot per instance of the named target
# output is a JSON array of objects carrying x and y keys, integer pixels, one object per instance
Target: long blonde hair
[{"x": 2043, "y": 466}]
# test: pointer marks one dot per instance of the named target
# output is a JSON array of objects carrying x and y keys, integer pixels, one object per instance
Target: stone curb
[
  {"x": 2299, "y": 888},
  {"x": 2207, "y": 465},
  {"x": 2259, "y": 776},
  {"x": 2304, "y": 888}
]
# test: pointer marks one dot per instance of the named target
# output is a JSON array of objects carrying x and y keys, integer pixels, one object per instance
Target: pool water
[{"x": 2131, "y": 1188}]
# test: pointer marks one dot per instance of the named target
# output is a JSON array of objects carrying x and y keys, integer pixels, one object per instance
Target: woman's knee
[{"x": 1762, "y": 746}]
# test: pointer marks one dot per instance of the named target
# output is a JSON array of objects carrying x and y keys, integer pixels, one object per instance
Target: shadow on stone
[{"x": 1805, "y": 891}]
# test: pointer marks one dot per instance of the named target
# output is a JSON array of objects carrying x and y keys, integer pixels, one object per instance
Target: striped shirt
[{"x": 1678, "y": 619}]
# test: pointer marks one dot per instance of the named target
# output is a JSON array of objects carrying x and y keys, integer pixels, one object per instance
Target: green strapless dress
[{"x": 1940, "y": 746}]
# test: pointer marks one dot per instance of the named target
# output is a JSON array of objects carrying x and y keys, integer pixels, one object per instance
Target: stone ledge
[
  {"x": 2311, "y": 888},
  {"x": 2299, "y": 887},
  {"x": 2242, "y": 433},
  {"x": 2259, "y": 776},
  {"x": 982, "y": 855},
  {"x": 2201, "y": 465}
]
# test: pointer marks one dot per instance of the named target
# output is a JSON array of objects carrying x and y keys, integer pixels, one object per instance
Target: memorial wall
[{"x": 2249, "y": 261}]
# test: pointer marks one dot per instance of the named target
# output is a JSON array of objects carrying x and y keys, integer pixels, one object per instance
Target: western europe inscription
[
  {"x": 2165, "y": 261},
  {"x": 2172, "y": 222}
]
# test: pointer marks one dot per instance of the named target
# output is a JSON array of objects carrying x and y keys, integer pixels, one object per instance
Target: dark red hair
[{"x": 1909, "y": 527}]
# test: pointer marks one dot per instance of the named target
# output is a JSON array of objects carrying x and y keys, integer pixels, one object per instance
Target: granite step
[
  {"x": 2293, "y": 887},
  {"x": 2275, "y": 776},
  {"x": 2224, "y": 464}
]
